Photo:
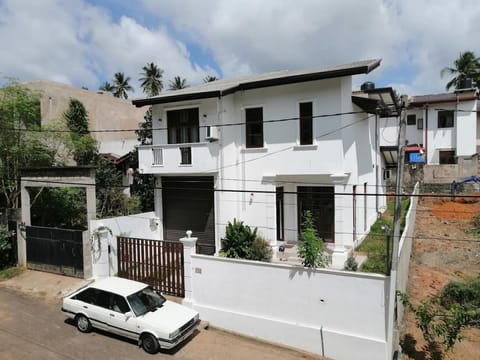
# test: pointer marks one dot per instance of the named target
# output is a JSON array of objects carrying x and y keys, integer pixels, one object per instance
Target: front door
[{"x": 320, "y": 201}]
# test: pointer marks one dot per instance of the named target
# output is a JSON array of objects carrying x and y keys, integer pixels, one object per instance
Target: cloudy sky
[{"x": 84, "y": 42}]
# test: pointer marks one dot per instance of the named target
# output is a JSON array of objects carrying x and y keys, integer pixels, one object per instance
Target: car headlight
[{"x": 174, "y": 334}]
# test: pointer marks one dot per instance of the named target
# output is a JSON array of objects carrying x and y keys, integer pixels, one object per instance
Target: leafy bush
[
  {"x": 351, "y": 264},
  {"x": 5, "y": 247},
  {"x": 242, "y": 242},
  {"x": 311, "y": 247},
  {"x": 260, "y": 250},
  {"x": 238, "y": 240},
  {"x": 464, "y": 293}
]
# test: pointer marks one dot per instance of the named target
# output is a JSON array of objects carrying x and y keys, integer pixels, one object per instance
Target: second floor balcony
[{"x": 188, "y": 158}]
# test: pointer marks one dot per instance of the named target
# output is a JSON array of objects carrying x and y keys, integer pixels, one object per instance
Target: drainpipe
[
  {"x": 426, "y": 135},
  {"x": 220, "y": 174}
]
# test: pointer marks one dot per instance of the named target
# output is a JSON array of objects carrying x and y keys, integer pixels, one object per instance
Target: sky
[{"x": 84, "y": 42}]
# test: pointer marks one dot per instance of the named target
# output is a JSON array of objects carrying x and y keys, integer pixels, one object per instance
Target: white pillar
[
  {"x": 340, "y": 252},
  {"x": 189, "y": 249}
]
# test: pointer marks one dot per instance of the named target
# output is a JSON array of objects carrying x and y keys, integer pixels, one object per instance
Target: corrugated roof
[
  {"x": 228, "y": 86},
  {"x": 442, "y": 98}
]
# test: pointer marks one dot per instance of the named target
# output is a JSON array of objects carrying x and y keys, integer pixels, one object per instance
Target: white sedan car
[{"x": 131, "y": 309}]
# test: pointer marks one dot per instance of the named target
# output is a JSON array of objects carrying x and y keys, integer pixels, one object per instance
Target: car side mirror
[{"x": 128, "y": 315}]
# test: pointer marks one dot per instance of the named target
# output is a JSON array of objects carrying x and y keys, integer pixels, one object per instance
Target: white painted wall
[
  {"x": 466, "y": 123},
  {"x": 338, "y": 314},
  {"x": 142, "y": 226}
]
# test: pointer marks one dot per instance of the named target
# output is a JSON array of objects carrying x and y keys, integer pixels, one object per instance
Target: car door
[
  {"x": 118, "y": 321},
  {"x": 92, "y": 302}
]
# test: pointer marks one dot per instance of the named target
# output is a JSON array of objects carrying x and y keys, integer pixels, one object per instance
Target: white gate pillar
[{"x": 189, "y": 249}]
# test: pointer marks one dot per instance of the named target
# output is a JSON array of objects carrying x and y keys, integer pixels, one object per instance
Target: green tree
[
  {"x": 121, "y": 85},
  {"x": 21, "y": 142},
  {"x": 177, "y": 83},
  {"x": 311, "y": 247},
  {"x": 209, "y": 78},
  {"x": 84, "y": 147},
  {"x": 466, "y": 66},
  {"x": 151, "y": 80},
  {"x": 106, "y": 86}
]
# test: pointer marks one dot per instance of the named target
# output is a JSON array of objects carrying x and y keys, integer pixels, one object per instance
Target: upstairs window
[
  {"x": 445, "y": 119},
  {"x": 306, "y": 127},
  {"x": 412, "y": 119},
  {"x": 254, "y": 127},
  {"x": 183, "y": 126}
]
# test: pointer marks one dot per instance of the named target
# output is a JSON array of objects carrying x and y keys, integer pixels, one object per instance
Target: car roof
[{"x": 118, "y": 285}]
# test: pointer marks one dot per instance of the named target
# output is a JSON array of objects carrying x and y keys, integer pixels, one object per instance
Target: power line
[{"x": 200, "y": 126}]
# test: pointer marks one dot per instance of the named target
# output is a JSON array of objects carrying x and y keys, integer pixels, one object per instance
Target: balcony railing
[{"x": 178, "y": 158}]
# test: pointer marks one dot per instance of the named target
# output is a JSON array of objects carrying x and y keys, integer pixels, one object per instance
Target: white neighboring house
[
  {"x": 263, "y": 149},
  {"x": 442, "y": 129}
]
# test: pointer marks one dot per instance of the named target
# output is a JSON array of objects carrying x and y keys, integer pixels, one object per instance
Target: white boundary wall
[
  {"x": 338, "y": 314},
  {"x": 144, "y": 226}
]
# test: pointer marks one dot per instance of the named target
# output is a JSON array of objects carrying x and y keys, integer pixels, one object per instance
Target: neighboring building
[
  {"x": 443, "y": 136},
  {"x": 105, "y": 113},
  {"x": 263, "y": 149}
]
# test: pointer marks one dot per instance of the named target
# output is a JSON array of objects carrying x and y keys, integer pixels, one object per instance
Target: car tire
[
  {"x": 83, "y": 323},
  {"x": 150, "y": 344}
]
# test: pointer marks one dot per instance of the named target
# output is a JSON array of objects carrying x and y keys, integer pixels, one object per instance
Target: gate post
[{"x": 189, "y": 248}]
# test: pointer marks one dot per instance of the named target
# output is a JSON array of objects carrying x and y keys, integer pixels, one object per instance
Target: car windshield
[{"x": 145, "y": 300}]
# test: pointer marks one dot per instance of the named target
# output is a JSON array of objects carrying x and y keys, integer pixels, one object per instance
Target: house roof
[
  {"x": 228, "y": 86},
  {"x": 380, "y": 101},
  {"x": 421, "y": 100}
]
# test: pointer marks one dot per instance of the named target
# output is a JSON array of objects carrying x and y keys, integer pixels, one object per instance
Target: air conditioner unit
[{"x": 211, "y": 133}]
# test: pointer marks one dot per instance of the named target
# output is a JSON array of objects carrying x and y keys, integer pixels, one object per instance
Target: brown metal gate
[{"x": 154, "y": 262}]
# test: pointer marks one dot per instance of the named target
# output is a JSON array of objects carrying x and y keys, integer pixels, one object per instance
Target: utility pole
[{"x": 397, "y": 217}]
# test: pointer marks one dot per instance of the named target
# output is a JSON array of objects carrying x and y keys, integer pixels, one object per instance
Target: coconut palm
[
  {"x": 209, "y": 78},
  {"x": 466, "y": 66},
  {"x": 106, "y": 86},
  {"x": 151, "y": 80},
  {"x": 177, "y": 83},
  {"x": 121, "y": 85}
]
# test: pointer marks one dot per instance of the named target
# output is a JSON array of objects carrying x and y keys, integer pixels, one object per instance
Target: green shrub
[
  {"x": 260, "y": 250},
  {"x": 238, "y": 240},
  {"x": 311, "y": 247},
  {"x": 351, "y": 264},
  {"x": 6, "y": 247},
  {"x": 463, "y": 293}
]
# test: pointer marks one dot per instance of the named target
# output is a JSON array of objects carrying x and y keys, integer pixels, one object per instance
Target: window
[
  {"x": 254, "y": 127},
  {"x": 94, "y": 296},
  {"x": 185, "y": 155},
  {"x": 183, "y": 126},
  {"x": 445, "y": 119},
  {"x": 412, "y": 119},
  {"x": 447, "y": 157},
  {"x": 420, "y": 124},
  {"x": 306, "y": 129}
]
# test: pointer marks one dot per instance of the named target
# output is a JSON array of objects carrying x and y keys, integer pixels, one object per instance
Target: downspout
[
  {"x": 220, "y": 175},
  {"x": 426, "y": 135},
  {"x": 376, "y": 163}
]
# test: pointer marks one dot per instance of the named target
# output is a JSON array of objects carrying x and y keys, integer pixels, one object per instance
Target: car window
[
  {"x": 118, "y": 304},
  {"x": 88, "y": 295},
  {"x": 94, "y": 296},
  {"x": 145, "y": 300}
]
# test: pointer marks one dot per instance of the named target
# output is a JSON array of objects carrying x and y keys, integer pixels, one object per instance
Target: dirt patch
[{"x": 442, "y": 252}]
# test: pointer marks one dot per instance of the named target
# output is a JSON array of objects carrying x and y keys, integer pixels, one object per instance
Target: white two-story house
[
  {"x": 264, "y": 149},
  {"x": 442, "y": 134}
]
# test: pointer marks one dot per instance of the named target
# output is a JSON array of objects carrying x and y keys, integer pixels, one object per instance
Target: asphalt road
[{"x": 34, "y": 328}]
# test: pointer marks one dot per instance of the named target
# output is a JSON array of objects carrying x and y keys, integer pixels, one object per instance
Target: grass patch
[
  {"x": 10, "y": 272},
  {"x": 375, "y": 244}
]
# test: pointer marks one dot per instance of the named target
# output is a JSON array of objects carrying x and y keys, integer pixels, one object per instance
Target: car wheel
[
  {"x": 83, "y": 324},
  {"x": 150, "y": 344}
]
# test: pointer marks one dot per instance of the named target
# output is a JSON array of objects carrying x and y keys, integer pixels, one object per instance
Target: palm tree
[
  {"x": 121, "y": 85},
  {"x": 151, "y": 80},
  {"x": 466, "y": 66},
  {"x": 177, "y": 83},
  {"x": 106, "y": 86},
  {"x": 209, "y": 78}
]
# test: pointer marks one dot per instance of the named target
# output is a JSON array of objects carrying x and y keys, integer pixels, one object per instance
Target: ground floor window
[
  {"x": 447, "y": 157},
  {"x": 321, "y": 203}
]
